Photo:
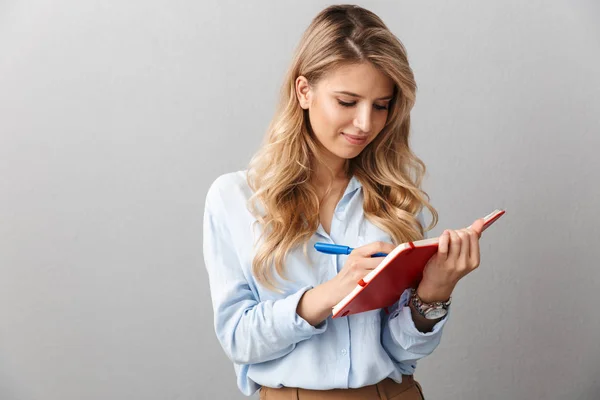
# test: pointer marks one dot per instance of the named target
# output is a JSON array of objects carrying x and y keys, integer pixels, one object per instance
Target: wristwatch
[{"x": 434, "y": 310}]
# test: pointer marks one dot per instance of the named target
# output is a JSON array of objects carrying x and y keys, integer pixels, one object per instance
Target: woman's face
[{"x": 347, "y": 108}]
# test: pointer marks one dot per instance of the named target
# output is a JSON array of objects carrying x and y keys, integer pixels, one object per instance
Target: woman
[{"x": 336, "y": 167}]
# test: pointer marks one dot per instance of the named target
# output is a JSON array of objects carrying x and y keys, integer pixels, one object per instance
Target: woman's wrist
[
  {"x": 316, "y": 303},
  {"x": 429, "y": 293}
]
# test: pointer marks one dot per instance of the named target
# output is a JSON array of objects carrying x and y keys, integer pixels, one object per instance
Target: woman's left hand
[{"x": 457, "y": 255}]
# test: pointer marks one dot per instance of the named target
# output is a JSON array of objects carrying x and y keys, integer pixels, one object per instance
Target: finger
[
  {"x": 367, "y": 263},
  {"x": 443, "y": 245},
  {"x": 375, "y": 247},
  {"x": 363, "y": 266},
  {"x": 474, "y": 250},
  {"x": 372, "y": 263},
  {"x": 455, "y": 244},
  {"x": 477, "y": 226},
  {"x": 465, "y": 244}
]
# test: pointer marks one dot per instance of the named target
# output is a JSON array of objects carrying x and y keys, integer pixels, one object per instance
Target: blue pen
[{"x": 328, "y": 248}]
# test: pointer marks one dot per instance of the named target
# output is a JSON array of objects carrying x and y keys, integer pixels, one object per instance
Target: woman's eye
[
  {"x": 343, "y": 103},
  {"x": 351, "y": 104}
]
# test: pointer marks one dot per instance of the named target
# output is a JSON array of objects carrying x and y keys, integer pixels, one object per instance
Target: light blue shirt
[{"x": 259, "y": 329}]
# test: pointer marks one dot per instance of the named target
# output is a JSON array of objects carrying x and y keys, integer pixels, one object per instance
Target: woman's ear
[{"x": 303, "y": 92}]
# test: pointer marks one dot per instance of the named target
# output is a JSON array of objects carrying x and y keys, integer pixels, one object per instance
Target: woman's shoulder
[
  {"x": 228, "y": 190},
  {"x": 228, "y": 181}
]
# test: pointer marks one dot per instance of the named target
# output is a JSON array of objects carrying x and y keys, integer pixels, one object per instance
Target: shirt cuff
[
  {"x": 404, "y": 332},
  {"x": 402, "y": 309},
  {"x": 289, "y": 323},
  {"x": 405, "y": 318}
]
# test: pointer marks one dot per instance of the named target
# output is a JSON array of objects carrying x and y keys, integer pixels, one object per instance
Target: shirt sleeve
[
  {"x": 403, "y": 341},
  {"x": 421, "y": 219},
  {"x": 248, "y": 330},
  {"x": 400, "y": 337}
]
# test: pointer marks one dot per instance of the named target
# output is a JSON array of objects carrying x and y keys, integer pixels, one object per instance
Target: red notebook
[{"x": 398, "y": 271}]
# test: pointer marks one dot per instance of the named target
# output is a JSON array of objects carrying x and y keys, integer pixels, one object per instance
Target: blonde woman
[{"x": 335, "y": 167}]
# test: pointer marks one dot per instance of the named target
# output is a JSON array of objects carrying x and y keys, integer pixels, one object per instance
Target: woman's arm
[
  {"x": 457, "y": 256},
  {"x": 249, "y": 331},
  {"x": 316, "y": 304},
  {"x": 428, "y": 295},
  {"x": 408, "y": 337}
]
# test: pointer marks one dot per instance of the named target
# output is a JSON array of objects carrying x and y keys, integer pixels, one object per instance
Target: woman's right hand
[
  {"x": 357, "y": 266},
  {"x": 316, "y": 304}
]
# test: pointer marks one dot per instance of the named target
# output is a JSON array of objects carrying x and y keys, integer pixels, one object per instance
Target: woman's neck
[{"x": 322, "y": 174}]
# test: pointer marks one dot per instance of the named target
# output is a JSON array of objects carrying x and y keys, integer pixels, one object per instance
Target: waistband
[{"x": 384, "y": 390}]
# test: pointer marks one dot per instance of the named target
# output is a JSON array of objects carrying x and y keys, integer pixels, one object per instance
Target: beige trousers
[{"x": 387, "y": 389}]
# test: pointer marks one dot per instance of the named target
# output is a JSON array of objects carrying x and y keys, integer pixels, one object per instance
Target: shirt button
[{"x": 344, "y": 352}]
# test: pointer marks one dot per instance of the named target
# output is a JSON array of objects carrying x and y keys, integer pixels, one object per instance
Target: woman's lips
[{"x": 353, "y": 139}]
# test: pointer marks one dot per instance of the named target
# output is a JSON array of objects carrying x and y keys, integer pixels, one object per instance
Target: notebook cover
[{"x": 400, "y": 270}]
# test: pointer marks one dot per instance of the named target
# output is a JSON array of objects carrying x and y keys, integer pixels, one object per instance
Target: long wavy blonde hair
[{"x": 284, "y": 201}]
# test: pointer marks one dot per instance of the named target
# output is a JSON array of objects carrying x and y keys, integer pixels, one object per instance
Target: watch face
[{"x": 435, "y": 313}]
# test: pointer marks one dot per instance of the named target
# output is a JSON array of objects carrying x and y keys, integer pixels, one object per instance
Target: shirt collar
[{"x": 353, "y": 184}]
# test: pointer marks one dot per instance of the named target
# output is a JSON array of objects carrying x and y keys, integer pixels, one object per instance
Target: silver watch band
[{"x": 433, "y": 310}]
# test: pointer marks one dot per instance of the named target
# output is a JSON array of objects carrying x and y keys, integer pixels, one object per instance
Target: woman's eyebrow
[{"x": 360, "y": 97}]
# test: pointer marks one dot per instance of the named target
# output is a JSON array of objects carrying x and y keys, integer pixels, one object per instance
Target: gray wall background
[{"x": 115, "y": 117}]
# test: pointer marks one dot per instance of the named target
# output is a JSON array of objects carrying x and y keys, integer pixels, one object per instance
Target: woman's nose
[{"x": 362, "y": 120}]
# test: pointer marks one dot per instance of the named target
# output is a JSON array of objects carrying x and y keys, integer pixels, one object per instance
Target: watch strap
[{"x": 424, "y": 308}]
